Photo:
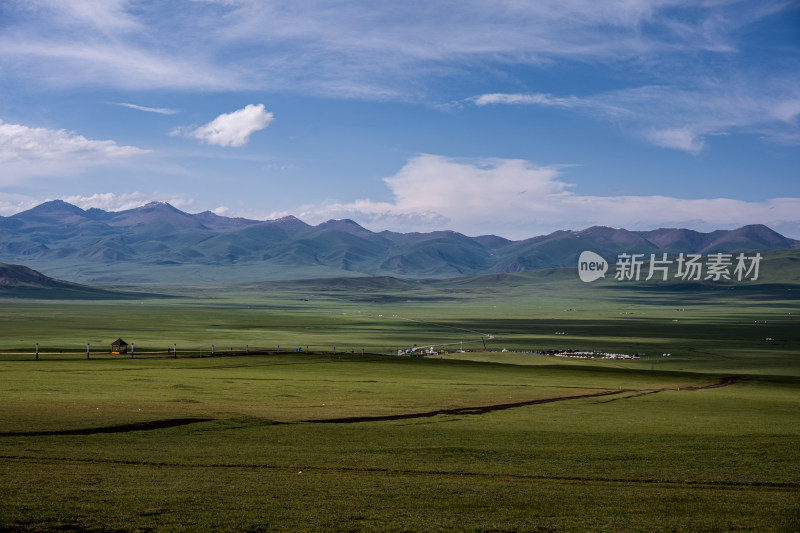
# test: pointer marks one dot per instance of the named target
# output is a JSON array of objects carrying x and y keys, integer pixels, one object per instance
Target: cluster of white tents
[
  {"x": 592, "y": 355},
  {"x": 420, "y": 351}
]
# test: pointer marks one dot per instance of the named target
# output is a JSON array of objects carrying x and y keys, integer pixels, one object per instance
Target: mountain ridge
[
  {"x": 20, "y": 281},
  {"x": 157, "y": 240}
]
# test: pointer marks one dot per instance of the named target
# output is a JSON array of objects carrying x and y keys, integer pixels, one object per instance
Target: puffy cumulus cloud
[
  {"x": 435, "y": 183},
  {"x": 518, "y": 199},
  {"x": 27, "y": 152},
  {"x": 20, "y": 143},
  {"x": 436, "y": 192},
  {"x": 231, "y": 129},
  {"x": 11, "y": 203},
  {"x": 110, "y": 201}
]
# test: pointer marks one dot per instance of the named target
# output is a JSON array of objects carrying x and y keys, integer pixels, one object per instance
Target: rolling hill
[
  {"x": 157, "y": 243},
  {"x": 779, "y": 281},
  {"x": 18, "y": 281}
]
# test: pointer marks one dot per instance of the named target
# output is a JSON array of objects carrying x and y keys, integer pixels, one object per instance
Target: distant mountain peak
[
  {"x": 63, "y": 238},
  {"x": 342, "y": 223},
  {"x": 56, "y": 203},
  {"x": 158, "y": 208},
  {"x": 54, "y": 207},
  {"x": 161, "y": 205},
  {"x": 346, "y": 225},
  {"x": 289, "y": 220}
]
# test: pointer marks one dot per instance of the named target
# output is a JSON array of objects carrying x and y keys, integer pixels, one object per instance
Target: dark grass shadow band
[
  {"x": 480, "y": 410},
  {"x": 335, "y": 470},
  {"x": 123, "y": 428},
  {"x": 476, "y": 410}
]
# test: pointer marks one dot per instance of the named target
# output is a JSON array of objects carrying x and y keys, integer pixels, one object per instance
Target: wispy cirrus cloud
[
  {"x": 518, "y": 199},
  {"x": 114, "y": 64},
  {"x": 357, "y": 49},
  {"x": 683, "y": 63},
  {"x": 29, "y": 152},
  {"x": 547, "y": 100},
  {"x": 683, "y": 118},
  {"x": 104, "y": 17},
  {"x": 231, "y": 129},
  {"x": 158, "y": 110}
]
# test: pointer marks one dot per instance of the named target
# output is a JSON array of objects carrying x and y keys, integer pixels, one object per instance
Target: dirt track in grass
[
  {"x": 483, "y": 409},
  {"x": 456, "y": 411}
]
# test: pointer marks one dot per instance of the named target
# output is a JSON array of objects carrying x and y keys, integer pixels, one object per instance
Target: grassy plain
[{"x": 704, "y": 440}]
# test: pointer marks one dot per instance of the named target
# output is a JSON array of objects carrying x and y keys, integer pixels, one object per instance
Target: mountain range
[{"x": 157, "y": 243}]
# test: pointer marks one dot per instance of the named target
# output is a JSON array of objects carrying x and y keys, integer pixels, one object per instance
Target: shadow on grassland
[{"x": 122, "y": 428}]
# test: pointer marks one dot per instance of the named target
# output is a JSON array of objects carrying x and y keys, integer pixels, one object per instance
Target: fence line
[
  {"x": 43, "y": 353},
  {"x": 39, "y": 351}
]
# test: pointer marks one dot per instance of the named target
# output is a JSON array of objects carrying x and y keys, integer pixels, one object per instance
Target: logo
[
  {"x": 687, "y": 267},
  {"x": 591, "y": 266}
]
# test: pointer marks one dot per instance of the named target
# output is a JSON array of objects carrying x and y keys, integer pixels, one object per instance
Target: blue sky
[{"x": 508, "y": 117}]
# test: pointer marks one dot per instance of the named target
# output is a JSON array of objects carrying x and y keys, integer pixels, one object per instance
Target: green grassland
[{"x": 703, "y": 440}]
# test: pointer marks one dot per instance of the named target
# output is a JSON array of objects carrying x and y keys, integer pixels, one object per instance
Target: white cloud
[
  {"x": 106, "y": 17},
  {"x": 360, "y": 48},
  {"x": 27, "y": 152},
  {"x": 690, "y": 54},
  {"x": 119, "y": 202},
  {"x": 11, "y": 203},
  {"x": 158, "y": 110},
  {"x": 678, "y": 138},
  {"x": 113, "y": 64},
  {"x": 509, "y": 197},
  {"x": 682, "y": 118},
  {"x": 518, "y": 199},
  {"x": 527, "y": 99},
  {"x": 231, "y": 129}
]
